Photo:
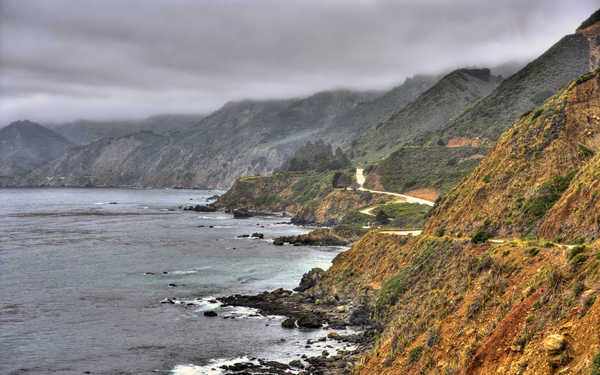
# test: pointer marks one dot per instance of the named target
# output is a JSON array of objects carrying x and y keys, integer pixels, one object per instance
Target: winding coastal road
[{"x": 360, "y": 180}]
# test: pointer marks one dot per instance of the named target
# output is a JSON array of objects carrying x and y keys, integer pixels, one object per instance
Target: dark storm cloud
[{"x": 66, "y": 59}]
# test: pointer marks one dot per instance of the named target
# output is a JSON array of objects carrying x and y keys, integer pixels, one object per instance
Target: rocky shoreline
[{"x": 304, "y": 311}]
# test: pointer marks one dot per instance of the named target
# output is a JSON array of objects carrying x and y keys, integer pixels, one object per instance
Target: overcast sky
[{"x": 69, "y": 59}]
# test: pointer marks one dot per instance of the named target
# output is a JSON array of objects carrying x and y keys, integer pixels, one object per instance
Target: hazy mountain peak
[{"x": 592, "y": 20}]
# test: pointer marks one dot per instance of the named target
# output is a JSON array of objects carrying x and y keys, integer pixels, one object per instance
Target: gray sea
[{"x": 83, "y": 273}]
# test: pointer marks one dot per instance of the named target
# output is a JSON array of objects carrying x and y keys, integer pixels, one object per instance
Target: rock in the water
[
  {"x": 309, "y": 321},
  {"x": 317, "y": 237},
  {"x": 309, "y": 279},
  {"x": 289, "y": 323},
  {"x": 278, "y": 242},
  {"x": 241, "y": 214},
  {"x": 258, "y": 235},
  {"x": 210, "y": 313},
  {"x": 201, "y": 208},
  {"x": 296, "y": 363}
]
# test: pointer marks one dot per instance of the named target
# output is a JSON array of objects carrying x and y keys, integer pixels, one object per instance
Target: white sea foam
[
  {"x": 214, "y": 217},
  {"x": 213, "y": 368},
  {"x": 189, "y": 272}
]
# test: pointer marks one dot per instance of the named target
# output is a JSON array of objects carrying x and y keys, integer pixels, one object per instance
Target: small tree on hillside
[{"x": 381, "y": 218}]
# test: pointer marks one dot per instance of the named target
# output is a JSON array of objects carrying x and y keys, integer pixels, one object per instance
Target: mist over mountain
[{"x": 25, "y": 145}]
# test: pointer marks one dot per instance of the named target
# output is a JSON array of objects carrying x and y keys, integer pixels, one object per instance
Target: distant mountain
[
  {"x": 366, "y": 115},
  {"x": 428, "y": 112},
  {"x": 570, "y": 57},
  {"x": 83, "y": 132},
  {"x": 242, "y": 138},
  {"x": 25, "y": 145}
]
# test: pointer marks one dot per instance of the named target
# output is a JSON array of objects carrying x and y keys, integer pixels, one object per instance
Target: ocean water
[{"x": 83, "y": 273}]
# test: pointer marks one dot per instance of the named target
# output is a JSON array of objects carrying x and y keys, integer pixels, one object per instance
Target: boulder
[
  {"x": 361, "y": 315},
  {"x": 557, "y": 350},
  {"x": 309, "y": 321},
  {"x": 210, "y": 313},
  {"x": 289, "y": 323},
  {"x": 241, "y": 214},
  {"x": 309, "y": 279},
  {"x": 201, "y": 208},
  {"x": 258, "y": 235}
]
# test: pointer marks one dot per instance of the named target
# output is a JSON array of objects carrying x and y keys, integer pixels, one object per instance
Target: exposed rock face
[
  {"x": 309, "y": 279},
  {"x": 529, "y": 169},
  {"x": 25, "y": 145},
  {"x": 429, "y": 112},
  {"x": 556, "y": 348},
  {"x": 317, "y": 237}
]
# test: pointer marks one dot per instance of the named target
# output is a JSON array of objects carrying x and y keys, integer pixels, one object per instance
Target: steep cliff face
[
  {"x": 25, "y": 145},
  {"x": 444, "y": 306},
  {"x": 577, "y": 213},
  {"x": 529, "y": 168},
  {"x": 432, "y": 109},
  {"x": 452, "y": 307}
]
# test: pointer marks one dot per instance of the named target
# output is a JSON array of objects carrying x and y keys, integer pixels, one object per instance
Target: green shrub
[
  {"x": 545, "y": 196},
  {"x": 579, "y": 258},
  {"x": 415, "y": 354},
  {"x": 533, "y": 251},
  {"x": 575, "y": 251},
  {"x": 393, "y": 289},
  {"x": 585, "y": 152},
  {"x": 596, "y": 365},
  {"x": 482, "y": 235},
  {"x": 382, "y": 218},
  {"x": 537, "y": 114},
  {"x": 354, "y": 217}
]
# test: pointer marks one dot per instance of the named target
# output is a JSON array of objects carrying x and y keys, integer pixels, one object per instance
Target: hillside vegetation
[
  {"x": 443, "y": 304},
  {"x": 311, "y": 197},
  {"x": 412, "y": 168},
  {"x": 428, "y": 112},
  {"x": 530, "y": 168}
]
